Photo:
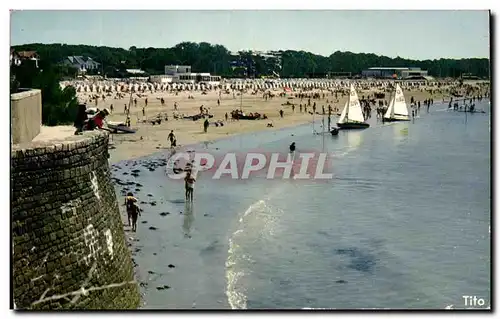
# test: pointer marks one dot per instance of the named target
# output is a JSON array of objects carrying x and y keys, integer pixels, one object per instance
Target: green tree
[
  {"x": 59, "y": 106},
  {"x": 206, "y": 57}
]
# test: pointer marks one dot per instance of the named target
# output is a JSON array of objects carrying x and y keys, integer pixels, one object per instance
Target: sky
[{"x": 408, "y": 34}]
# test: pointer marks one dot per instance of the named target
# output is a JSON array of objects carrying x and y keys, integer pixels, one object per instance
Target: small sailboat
[
  {"x": 352, "y": 115},
  {"x": 397, "y": 110}
]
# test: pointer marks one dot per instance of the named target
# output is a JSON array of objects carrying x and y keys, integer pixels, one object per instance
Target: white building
[
  {"x": 193, "y": 78},
  {"x": 175, "y": 69},
  {"x": 183, "y": 74},
  {"x": 162, "y": 79},
  {"x": 390, "y": 72}
]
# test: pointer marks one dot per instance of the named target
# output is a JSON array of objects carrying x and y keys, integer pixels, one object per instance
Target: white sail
[
  {"x": 400, "y": 107},
  {"x": 354, "y": 114},
  {"x": 390, "y": 109},
  {"x": 397, "y": 106},
  {"x": 342, "y": 118}
]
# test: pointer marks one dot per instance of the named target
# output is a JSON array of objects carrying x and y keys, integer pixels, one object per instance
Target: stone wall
[
  {"x": 69, "y": 248},
  {"x": 26, "y": 110}
]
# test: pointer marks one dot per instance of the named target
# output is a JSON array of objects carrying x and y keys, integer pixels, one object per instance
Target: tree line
[{"x": 218, "y": 60}]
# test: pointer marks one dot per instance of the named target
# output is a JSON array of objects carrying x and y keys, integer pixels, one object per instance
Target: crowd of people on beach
[
  {"x": 308, "y": 96},
  {"x": 117, "y": 88}
]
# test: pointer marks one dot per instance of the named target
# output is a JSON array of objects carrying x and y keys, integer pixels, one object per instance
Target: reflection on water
[
  {"x": 400, "y": 133},
  {"x": 188, "y": 218},
  {"x": 354, "y": 139}
]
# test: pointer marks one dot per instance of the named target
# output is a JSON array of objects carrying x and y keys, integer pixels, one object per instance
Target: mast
[
  {"x": 314, "y": 131},
  {"x": 389, "y": 104},
  {"x": 347, "y": 105},
  {"x": 323, "y": 123},
  {"x": 329, "y": 120},
  {"x": 465, "y": 114},
  {"x": 323, "y": 134}
]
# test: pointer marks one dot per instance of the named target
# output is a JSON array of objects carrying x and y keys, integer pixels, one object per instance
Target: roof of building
[
  {"x": 135, "y": 71},
  {"x": 177, "y": 66},
  {"x": 27, "y": 54},
  {"x": 388, "y": 68},
  {"x": 78, "y": 59},
  {"x": 195, "y": 74}
]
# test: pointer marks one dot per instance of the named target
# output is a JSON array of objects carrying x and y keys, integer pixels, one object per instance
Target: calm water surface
[{"x": 403, "y": 224}]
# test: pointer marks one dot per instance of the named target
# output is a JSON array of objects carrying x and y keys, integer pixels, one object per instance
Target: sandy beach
[{"x": 153, "y": 138}]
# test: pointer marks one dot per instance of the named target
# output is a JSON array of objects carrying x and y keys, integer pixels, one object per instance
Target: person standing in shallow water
[{"x": 189, "y": 186}]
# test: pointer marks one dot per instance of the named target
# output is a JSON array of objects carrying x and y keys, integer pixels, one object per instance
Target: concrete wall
[
  {"x": 26, "y": 108},
  {"x": 69, "y": 248}
]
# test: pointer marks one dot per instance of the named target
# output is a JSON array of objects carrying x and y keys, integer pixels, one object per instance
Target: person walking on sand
[
  {"x": 189, "y": 186},
  {"x": 136, "y": 212},
  {"x": 205, "y": 125}
]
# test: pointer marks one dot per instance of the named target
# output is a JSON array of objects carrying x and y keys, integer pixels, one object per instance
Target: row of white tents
[{"x": 234, "y": 84}]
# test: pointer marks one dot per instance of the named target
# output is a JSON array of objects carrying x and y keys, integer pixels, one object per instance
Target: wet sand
[{"x": 171, "y": 251}]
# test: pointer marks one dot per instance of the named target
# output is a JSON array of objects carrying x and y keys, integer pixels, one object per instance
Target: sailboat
[
  {"x": 352, "y": 116},
  {"x": 397, "y": 110}
]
